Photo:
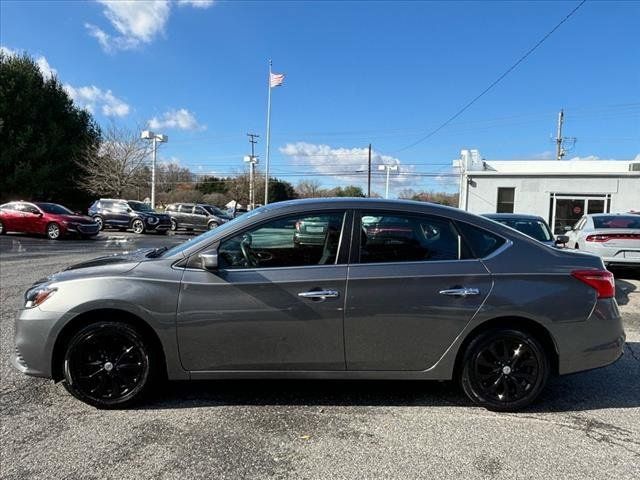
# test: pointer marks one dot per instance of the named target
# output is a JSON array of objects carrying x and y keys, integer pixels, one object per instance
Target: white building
[{"x": 558, "y": 191}]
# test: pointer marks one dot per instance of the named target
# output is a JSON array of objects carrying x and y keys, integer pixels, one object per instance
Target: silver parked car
[
  {"x": 614, "y": 237},
  {"x": 417, "y": 291}
]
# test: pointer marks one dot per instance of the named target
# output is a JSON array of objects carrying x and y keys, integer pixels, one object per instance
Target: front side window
[
  {"x": 140, "y": 207},
  {"x": 293, "y": 241},
  {"x": 399, "y": 237},
  {"x": 506, "y": 198}
]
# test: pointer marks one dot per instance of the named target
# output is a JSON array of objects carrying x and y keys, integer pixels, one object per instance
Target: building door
[{"x": 566, "y": 210}]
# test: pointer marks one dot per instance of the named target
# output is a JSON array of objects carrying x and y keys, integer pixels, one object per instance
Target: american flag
[{"x": 276, "y": 79}]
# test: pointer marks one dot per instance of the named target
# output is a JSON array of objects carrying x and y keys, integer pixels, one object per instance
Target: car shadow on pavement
[
  {"x": 615, "y": 386},
  {"x": 623, "y": 289}
]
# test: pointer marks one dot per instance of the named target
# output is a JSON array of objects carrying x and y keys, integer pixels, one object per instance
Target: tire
[
  {"x": 98, "y": 219},
  {"x": 212, "y": 225},
  {"x": 53, "y": 231},
  {"x": 504, "y": 369},
  {"x": 137, "y": 226},
  {"x": 109, "y": 365},
  {"x": 2, "y": 230},
  {"x": 174, "y": 225}
]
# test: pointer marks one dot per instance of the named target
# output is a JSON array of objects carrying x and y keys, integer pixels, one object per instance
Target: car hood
[{"x": 117, "y": 264}]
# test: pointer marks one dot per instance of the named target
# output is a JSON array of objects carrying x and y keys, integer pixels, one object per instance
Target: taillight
[
  {"x": 605, "y": 237},
  {"x": 597, "y": 238},
  {"x": 601, "y": 280}
]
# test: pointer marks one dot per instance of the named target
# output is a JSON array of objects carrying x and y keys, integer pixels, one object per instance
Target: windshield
[
  {"x": 534, "y": 228},
  {"x": 215, "y": 211},
  {"x": 140, "y": 207},
  {"x": 616, "y": 221},
  {"x": 54, "y": 208}
]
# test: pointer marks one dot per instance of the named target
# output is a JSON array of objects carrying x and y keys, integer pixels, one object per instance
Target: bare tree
[
  {"x": 308, "y": 189},
  {"x": 117, "y": 165}
]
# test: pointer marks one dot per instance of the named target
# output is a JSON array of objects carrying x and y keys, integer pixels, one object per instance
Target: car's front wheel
[
  {"x": 2, "y": 231},
  {"x": 137, "y": 226},
  {"x": 504, "y": 369},
  {"x": 212, "y": 225},
  {"x": 53, "y": 231},
  {"x": 108, "y": 365},
  {"x": 174, "y": 225}
]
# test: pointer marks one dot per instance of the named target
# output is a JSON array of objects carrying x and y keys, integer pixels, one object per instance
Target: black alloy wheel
[
  {"x": 504, "y": 369},
  {"x": 108, "y": 365}
]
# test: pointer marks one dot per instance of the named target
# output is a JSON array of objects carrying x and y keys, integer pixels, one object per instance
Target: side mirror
[
  {"x": 209, "y": 261},
  {"x": 562, "y": 240}
]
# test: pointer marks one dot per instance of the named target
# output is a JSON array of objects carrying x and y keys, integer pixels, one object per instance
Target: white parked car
[{"x": 614, "y": 237}]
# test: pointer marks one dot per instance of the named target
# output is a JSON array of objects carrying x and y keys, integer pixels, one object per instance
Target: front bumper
[
  {"x": 35, "y": 335},
  {"x": 593, "y": 343},
  {"x": 161, "y": 226},
  {"x": 84, "y": 229}
]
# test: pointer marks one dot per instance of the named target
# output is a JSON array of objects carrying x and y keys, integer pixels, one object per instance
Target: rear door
[
  {"x": 412, "y": 287},
  {"x": 199, "y": 218}
]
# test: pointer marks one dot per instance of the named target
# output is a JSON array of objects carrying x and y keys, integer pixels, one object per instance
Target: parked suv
[
  {"x": 196, "y": 216},
  {"x": 124, "y": 214}
]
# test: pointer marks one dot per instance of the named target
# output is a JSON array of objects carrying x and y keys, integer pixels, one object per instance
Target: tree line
[{"x": 54, "y": 151}]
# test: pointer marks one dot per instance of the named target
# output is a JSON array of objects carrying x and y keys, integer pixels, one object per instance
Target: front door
[
  {"x": 412, "y": 291},
  {"x": 272, "y": 304}
]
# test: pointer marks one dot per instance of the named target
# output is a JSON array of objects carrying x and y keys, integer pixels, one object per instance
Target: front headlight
[
  {"x": 152, "y": 220},
  {"x": 37, "y": 295}
]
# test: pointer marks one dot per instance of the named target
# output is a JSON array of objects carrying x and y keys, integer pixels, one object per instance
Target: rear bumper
[
  {"x": 593, "y": 343},
  {"x": 614, "y": 261}
]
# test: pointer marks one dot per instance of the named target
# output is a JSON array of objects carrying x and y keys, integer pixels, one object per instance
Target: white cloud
[
  {"x": 181, "y": 119},
  {"x": 93, "y": 98},
  {"x": 347, "y": 164},
  {"x": 196, "y": 3},
  {"x": 546, "y": 155},
  {"x": 135, "y": 22},
  {"x": 46, "y": 69}
]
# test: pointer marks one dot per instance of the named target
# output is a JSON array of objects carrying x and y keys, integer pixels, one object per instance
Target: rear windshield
[
  {"x": 616, "y": 221},
  {"x": 534, "y": 228}
]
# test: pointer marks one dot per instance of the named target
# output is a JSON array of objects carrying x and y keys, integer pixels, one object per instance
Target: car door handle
[
  {"x": 319, "y": 294},
  {"x": 460, "y": 292}
]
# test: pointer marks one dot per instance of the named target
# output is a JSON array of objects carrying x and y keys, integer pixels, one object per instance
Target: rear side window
[
  {"x": 399, "y": 237},
  {"x": 481, "y": 242}
]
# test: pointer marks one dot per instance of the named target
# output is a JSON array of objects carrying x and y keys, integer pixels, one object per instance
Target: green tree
[
  {"x": 213, "y": 185},
  {"x": 280, "y": 190},
  {"x": 348, "y": 191},
  {"x": 42, "y": 135}
]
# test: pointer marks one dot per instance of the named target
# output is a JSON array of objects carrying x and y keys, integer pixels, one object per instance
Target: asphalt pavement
[{"x": 584, "y": 426}]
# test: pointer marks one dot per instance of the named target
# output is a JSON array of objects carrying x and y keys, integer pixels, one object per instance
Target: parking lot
[{"x": 584, "y": 426}]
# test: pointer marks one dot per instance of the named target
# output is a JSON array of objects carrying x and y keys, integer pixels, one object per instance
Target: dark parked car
[
  {"x": 50, "y": 219},
  {"x": 197, "y": 216},
  {"x": 125, "y": 214},
  {"x": 472, "y": 300},
  {"x": 532, "y": 225},
  {"x": 311, "y": 231}
]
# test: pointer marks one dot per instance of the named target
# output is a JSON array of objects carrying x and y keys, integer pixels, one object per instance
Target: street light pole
[
  {"x": 155, "y": 138},
  {"x": 388, "y": 168}
]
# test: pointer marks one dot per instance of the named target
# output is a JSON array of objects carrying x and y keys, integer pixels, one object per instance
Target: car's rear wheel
[
  {"x": 99, "y": 221},
  {"x": 53, "y": 231},
  {"x": 138, "y": 226},
  {"x": 504, "y": 369},
  {"x": 109, "y": 365},
  {"x": 174, "y": 225}
]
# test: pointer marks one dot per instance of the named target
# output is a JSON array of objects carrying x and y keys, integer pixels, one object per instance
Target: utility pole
[
  {"x": 563, "y": 144},
  {"x": 252, "y": 160},
  {"x": 369, "y": 175},
  {"x": 155, "y": 138},
  {"x": 559, "y": 150},
  {"x": 388, "y": 168}
]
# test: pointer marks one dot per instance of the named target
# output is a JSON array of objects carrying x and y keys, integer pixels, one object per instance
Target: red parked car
[{"x": 50, "y": 219}]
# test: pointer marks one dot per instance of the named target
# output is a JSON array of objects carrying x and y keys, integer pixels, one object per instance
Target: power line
[{"x": 494, "y": 83}]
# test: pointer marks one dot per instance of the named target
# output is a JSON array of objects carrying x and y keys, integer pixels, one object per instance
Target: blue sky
[{"x": 356, "y": 72}]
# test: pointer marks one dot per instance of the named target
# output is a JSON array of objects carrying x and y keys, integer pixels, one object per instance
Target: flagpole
[{"x": 266, "y": 173}]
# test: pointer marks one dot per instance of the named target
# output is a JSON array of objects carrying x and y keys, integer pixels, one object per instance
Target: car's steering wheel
[{"x": 249, "y": 255}]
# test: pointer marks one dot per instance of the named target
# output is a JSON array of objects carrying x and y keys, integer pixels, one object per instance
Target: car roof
[{"x": 514, "y": 216}]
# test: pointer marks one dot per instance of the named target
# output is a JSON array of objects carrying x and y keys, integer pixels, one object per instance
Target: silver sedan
[{"x": 395, "y": 290}]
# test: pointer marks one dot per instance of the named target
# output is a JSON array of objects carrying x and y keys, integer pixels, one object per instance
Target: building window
[{"x": 506, "y": 197}]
